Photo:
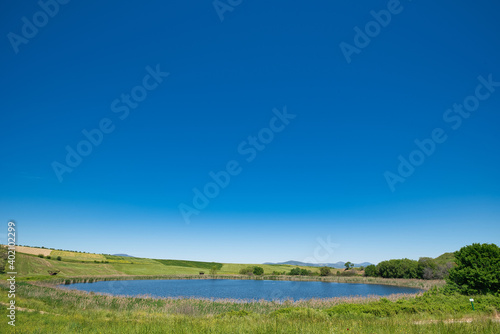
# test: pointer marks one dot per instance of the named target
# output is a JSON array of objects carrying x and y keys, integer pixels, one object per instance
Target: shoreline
[{"x": 409, "y": 283}]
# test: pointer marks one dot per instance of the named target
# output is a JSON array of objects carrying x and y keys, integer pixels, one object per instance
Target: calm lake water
[{"x": 238, "y": 289}]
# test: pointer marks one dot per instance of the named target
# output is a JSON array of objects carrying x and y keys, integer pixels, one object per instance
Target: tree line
[{"x": 424, "y": 268}]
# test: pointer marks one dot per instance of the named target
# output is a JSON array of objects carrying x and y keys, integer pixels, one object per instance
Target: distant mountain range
[
  {"x": 123, "y": 255},
  {"x": 336, "y": 265}
]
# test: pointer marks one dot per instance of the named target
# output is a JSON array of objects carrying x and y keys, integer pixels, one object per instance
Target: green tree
[
  {"x": 305, "y": 272},
  {"x": 477, "y": 270},
  {"x": 371, "y": 270},
  {"x": 294, "y": 271},
  {"x": 59, "y": 258},
  {"x": 246, "y": 271},
  {"x": 428, "y": 267},
  {"x": 213, "y": 270},
  {"x": 258, "y": 270},
  {"x": 400, "y": 268},
  {"x": 348, "y": 265},
  {"x": 325, "y": 271}
]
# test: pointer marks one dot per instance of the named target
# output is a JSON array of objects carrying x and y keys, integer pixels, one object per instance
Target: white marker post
[{"x": 472, "y": 303}]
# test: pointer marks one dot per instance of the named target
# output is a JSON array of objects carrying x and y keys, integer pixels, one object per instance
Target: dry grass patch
[{"x": 33, "y": 250}]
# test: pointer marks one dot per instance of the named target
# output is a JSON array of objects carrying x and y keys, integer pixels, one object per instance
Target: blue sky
[{"x": 310, "y": 106}]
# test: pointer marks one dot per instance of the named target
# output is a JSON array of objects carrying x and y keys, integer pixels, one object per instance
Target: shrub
[
  {"x": 305, "y": 272},
  {"x": 48, "y": 257},
  {"x": 246, "y": 271},
  {"x": 40, "y": 256},
  {"x": 431, "y": 269},
  {"x": 402, "y": 268},
  {"x": 325, "y": 271},
  {"x": 297, "y": 271},
  {"x": 477, "y": 270},
  {"x": 213, "y": 270},
  {"x": 371, "y": 270},
  {"x": 258, "y": 270},
  {"x": 59, "y": 258},
  {"x": 348, "y": 273}
]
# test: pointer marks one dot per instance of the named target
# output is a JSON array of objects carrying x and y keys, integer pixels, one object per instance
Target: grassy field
[
  {"x": 74, "y": 256},
  {"x": 77, "y": 264},
  {"x": 43, "y": 308}
]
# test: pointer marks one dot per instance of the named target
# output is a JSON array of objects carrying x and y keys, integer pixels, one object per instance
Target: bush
[
  {"x": 403, "y": 268},
  {"x": 48, "y": 257},
  {"x": 258, "y": 271},
  {"x": 305, "y": 272},
  {"x": 302, "y": 272},
  {"x": 348, "y": 273},
  {"x": 213, "y": 270},
  {"x": 477, "y": 270},
  {"x": 431, "y": 269},
  {"x": 325, "y": 271},
  {"x": 371, "y": 270},
  {"x": 246, "y": 271},
  {"x": 40, "y": 256}
]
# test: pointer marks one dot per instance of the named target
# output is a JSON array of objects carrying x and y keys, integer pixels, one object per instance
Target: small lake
[{"x": 238, "y": 289}]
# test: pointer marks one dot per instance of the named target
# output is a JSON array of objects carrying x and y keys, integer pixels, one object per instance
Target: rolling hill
[
  {"x": 337, "y": 265},
  {"x": 36, "y": 263}
]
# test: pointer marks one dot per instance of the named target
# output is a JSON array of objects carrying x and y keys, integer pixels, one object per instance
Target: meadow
[{"x": 44, "y": 308}]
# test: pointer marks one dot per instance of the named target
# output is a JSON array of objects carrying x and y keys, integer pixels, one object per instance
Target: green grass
[
  {"x": 191, "y": 264},
  {"x": 33, "y": 266},
  {"x": 234, "y": 268},
  {"x": 67, "y": 255},
  {"x": 79, "y": 312},
  {"x": 127, "y": 259},
  {"x": 154, "y": 269}
]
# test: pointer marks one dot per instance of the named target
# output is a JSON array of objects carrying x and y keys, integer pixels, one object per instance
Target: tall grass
[{"x": 80, "y": 312}]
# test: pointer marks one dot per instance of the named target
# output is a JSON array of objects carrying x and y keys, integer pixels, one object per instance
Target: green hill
[
  {"x": 445, "y": 258},
  {"x": 30, "y": 262}
]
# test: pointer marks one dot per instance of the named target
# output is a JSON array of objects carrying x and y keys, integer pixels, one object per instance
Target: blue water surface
[{"x": 238, "y": 289}]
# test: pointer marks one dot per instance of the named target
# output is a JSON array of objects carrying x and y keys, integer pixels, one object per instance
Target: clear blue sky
[{"x": 355, "y": 104}]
